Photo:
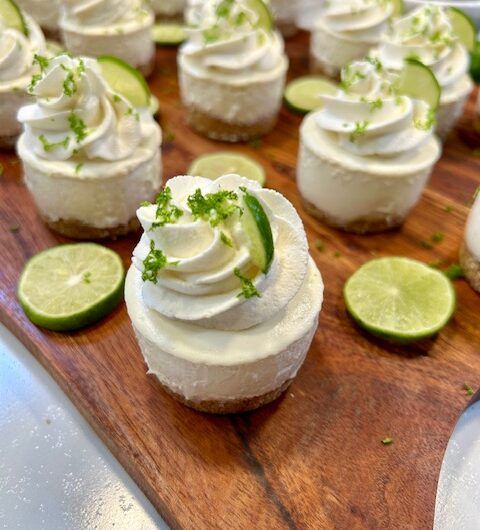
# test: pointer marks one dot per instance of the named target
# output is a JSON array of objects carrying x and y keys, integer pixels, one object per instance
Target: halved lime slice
[
  {"x": 154, "y": 105},
  {"x": 303, "y": 94},
  {"x": 169, "y": 34},
  {"x": 400, "y": 299},
  {"x": 257, "y": 227},
  {"x": 264, "y": 15},
  {"x": 463, "y": 27},
  {"x": 125, "y": 80},
  {"x": 54, "y": 48},
  {"x": 71, "y": 286},
  {"x": 398, "y": 7},
  {"x": 13, "y": 16},
  {"x": 214, "y": 165},
  {"x": 419, "y": 82}
]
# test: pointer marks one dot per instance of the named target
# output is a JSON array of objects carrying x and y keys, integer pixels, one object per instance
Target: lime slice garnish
[
  {"x": 71, "y": 286},
  {"x": 419, "y": 82},
  {"x": 214, "y": 165},
  {"x": 125, "y": 80},
  {"x": 168, "y": 34},
  {"x": 13, "y": 16},
  {"x": 54, "y": 48},
  {"x": 154, "y": 106},
  {"x": 398, "y": 8},
  {"x": 303, "y": 94},
  {"x": 400, "y": 299},
  {"x": 463, "y": 27},
  {"x": 257, "y": 228},
  {"x": 264, "y": 15}
]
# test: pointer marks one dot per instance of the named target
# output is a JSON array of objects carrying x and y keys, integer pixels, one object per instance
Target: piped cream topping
[
  {"x": 203, "y": 261},
  {"x": 363, "y": 20},
  {"x": 223, "y": 36},
  {"x": 426, "y": 34},
  {"x": 367, "y": 117},
  {"x": 77, "y": 114},
  {"x": 103, "y": 12},
  {"x": 17, "y": 50}
]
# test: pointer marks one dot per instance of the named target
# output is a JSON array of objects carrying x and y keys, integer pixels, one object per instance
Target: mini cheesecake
[
  {"x": 365, "y": 157},
  {"x": 46, "y": 14},
  {"x": 427, "y": 34},
  {"x": 232, "y": 75},
  {"x": 345, "y": 31},
  {"x": 18, "y": 47},
  {"x": 222, "y": 293},
  {"x": 470, "y": 250},
  {"x": 89, "y": 155},
  {"x": 168, "y": 9},
  {"x": 107, "y": 27}
]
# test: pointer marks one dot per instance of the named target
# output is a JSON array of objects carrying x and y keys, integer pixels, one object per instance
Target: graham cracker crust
[
  {"x": 233, "y": 406},
  {"x": 217, "y": 129},
  {"x": 77, "y": 230},
  {"x": 471, "y": 267},
  {"x": 363, "y": 225},
  {"x": 8, "y": 142}
]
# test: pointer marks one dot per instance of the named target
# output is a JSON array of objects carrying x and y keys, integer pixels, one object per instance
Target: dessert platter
[{"x": 246, "y": 371}]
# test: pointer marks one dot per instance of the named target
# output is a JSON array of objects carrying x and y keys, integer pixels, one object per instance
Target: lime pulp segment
[
  {"x": 125, "y": 80},
  {"x": 257, "y": 227},
  {"x": 169, "y": 34},
  {"x": 419, "y": 82},
  {"x": 400, "y": 299},
  {"x": 264, "y": 16},
  {"x": 304, "y": 94},
  {"x": 463, "y": 27},
  {"x": 214, "y": 165},
  {"x": 12, "y": 15},
  {"x": 71, "y": 286}
]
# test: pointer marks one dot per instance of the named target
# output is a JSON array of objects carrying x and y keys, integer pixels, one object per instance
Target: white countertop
[{"x": 55, "y": 473}]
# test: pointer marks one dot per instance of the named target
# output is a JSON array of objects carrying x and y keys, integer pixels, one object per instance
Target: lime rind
[
  {"x": 13, "y": 16},
  {"x": 256, "y": 226},
  {"x": 302, "y": 94},
  {"x": 93, "y": 299},
  {"x": 419, "y": 82},
  {"x": 463, "y": 27},
  {"x": 400, "y": 299},
  {"x": 217, "y": 164},
  {"x": 125, "y": 80}
]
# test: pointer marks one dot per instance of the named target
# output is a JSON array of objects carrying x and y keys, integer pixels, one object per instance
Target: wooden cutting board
[{"x": 313, "y": 459}]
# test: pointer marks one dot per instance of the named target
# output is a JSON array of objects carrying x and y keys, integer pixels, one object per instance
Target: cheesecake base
[
  {"x": 231, "y": 406},
  {"x": 369, "y": 224},
  {"x": 471, "y": 267},
  {"x": 77, "y": 230},
  {"x": 217, "y": 129}
]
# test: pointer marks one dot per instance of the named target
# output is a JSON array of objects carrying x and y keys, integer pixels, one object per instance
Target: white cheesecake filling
[
  {"x": 368, "y": 151},
  {"x": 210, "y": 323},
  {"x": 168, "y": 8},
  {"x": 427, "y": 35},
  {"x": 346, "y": 30},
  {"x": 472, "y": 231},
  {"x": 109, "y": 27},
  {"x": 17, "y": 53},
  {"x": 88, "y": 154},
  {"x": 45, "y": 12}
]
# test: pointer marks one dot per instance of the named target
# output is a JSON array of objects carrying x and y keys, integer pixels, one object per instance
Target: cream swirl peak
[
  {"x": 196, "y": 258},
  {"x": 17, "y": 51},
  {"x": 103, "y": 12},
  {"x": 426, "y": 34},
  {"x": 226, "y": 36},
  {"x": 368, "y": 117},
  {"x": 77, "y": 113},
  {"x": 363, "y": 20}
]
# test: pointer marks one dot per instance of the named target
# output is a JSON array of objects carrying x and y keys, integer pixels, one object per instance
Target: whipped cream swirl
[
  {"x": 17, "y": 51},
  {"x": 426, "y": 34},
  {"x": 223, "y": 36},
  {"x": 367, "y": 117},
  {"x": 362, "y": 20},
  {"x": 77, "y": 114},
  {"x": 103, "y": 12},
  {"x": 199, "y": 281}
]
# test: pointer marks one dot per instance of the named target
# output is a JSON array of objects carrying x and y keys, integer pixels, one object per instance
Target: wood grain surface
[{"x": 314, "y": 459}]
